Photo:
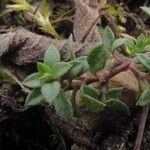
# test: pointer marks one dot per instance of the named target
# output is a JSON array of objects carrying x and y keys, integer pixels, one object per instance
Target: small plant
[
  {"x": 139, "y": 45},
  {"x": 40, "y": 14},
  {"x": 103, "y": 62}
]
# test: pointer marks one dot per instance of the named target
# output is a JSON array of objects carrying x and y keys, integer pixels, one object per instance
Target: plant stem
[
  {"x": 73, "y": 101},
  {"x": 141, "y": 127},
  {"x": 104, "y": 77}
]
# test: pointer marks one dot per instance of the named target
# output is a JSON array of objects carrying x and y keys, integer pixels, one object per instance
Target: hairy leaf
[
  {"x": 144, "y": 60},
  {"x": 46, "y": 77},
  {"x": 63, "y": 107},
  {"x": 144, "y": 98},
  {"x": 97, "y": 59},
  {"x": 118, "y": 106},
  {"x": 90, "y": 90},
  {"x": 107, "y": 38},
  {"x": 51, "y": 56},
  {"x": 118, "y": 43},
  {"x": 32, "y": 80},
  {"x": 50, "y": 91},
  {"x": 34, "y": 98},
  {"x": 92, "y": 104},
  {"x": 61, "y": 68},
  {"x": 43, "y": 68},
  {"x": 78, "y": 68},
  {"x": 114, "y": 92}
]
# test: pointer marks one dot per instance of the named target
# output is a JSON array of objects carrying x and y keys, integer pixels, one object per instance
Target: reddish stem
[{"x": 104, "y": 77}]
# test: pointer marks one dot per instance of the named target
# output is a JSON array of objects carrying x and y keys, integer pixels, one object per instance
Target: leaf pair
[{"x": 90, "y": 97}]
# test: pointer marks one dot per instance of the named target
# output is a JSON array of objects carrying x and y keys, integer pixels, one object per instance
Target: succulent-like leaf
[
  {"x": 70, "y": 46},
  {"x": 90, "y": 90},
  {"x": 51, "y": 56},
  {"x": 32, "y": 80},
  {"x": 92, "y": 104},
  {"x": 144, "y": 98},
  {"x": 78, "y": 68},
  {"x": 61, "y": 68},
  {"x": 46, "y": 78},
  {"x": 144, "y": 60},
  {"x": 118, "y": 42},
  {"x": 43, "y": 68},
  {"x": 118, "y": 106},
  {"x": 50, "y": 91},
  {"x": 107, "y": 38},
  {"x": 97, "y": 59},
  {"x": 63, "y": 107},
  {"x": 114, "y": 92},
  {"x": 34, "y": 98}
]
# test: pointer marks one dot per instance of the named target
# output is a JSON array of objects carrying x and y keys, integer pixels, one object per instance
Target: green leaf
[
  {"x": 114, "y": 92},
  {"x": 61, "y": 68},
  {"x": 32, "y": 80},
  {"x": 146, "y": 9},
  {"x": 92, "y": 104},
  {"x": 120, "y": 107},
  {"x": 82, "y": 58},
  {"x": 97, "y": 59},
  {"x": 118, "y": 42},
  {"x": 51, "y": 56},
  {"x": 70, "y": 46},
  {"x": 46, "y": 78},
  {"x": 43, "y": 68},
  {"x": 140, "y": 43},
  {"x": 70, "y": 42},
  {"x": 50, "y": 91},
  {"x": 144, "y": 60},
  {"x": 130, "y": 45},
  {"x": 147, "y": 48},
  {"x": 63, "y": 107},
  {"x": 90, "y": 90},
  {"x": 144, "y": 98},
  {"x": 34, "y": 98},
  {"x": 107, "y": 38},
  {"x": 78, "y": 68}
]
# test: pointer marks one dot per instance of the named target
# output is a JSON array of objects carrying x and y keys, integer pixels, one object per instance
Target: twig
[{"x": 141, "y": 127}]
